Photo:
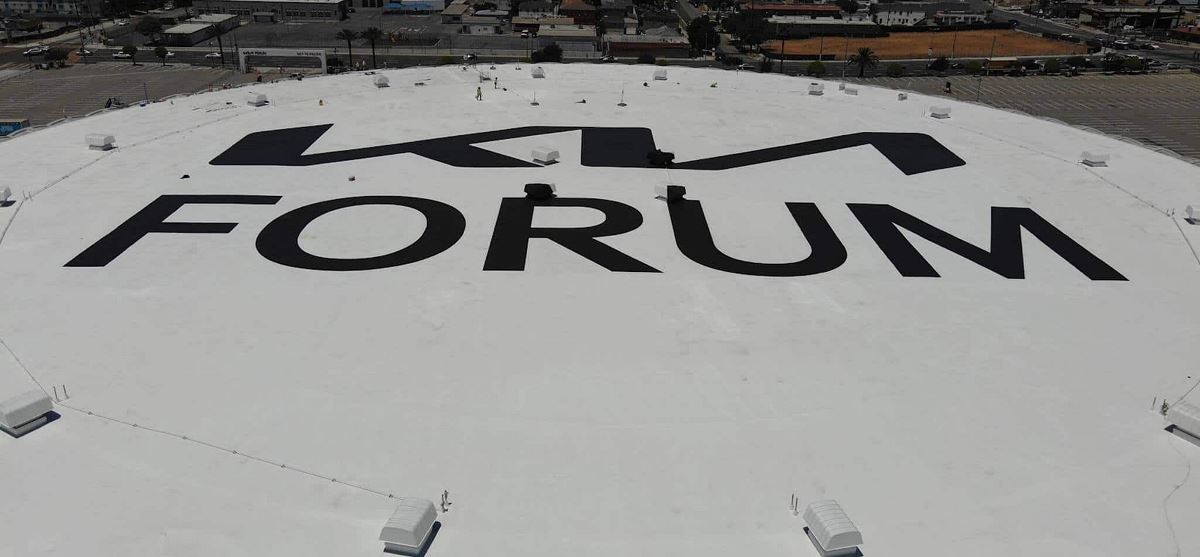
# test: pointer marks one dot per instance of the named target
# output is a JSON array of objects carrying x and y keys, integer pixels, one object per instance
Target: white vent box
[
  {"x": 902, "y": 96},
  {"x": 256, "y": 99},
  {"x": 669, "y": 193},
  {"x": 816, "y": 88},
  {"x": 942, "y": 112},
  {"x": 1091, "y": 158},
  {"x": 381, "y": 81},
  {"x": 25, "y": 412},
  {"x": 1193, "y": 213},
  {"x": 831, "y": 530},
  {"x": 851, "y": 91},
  {"x": 545, "y": 155},
  {"x": 1185, "y": 416},
  {"x": 100, "y": 141},
  {"x": 6, "y": 194},
  {"x": 841, "y": 86},
  {"x": 538, "y": 72},
  {"x": 409, "y": 527},
  {"x": 660, "y": 75}
]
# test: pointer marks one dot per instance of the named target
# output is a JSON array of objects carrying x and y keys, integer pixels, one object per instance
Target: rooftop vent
[
  {"x": 902, "y": 96},
  {"x": 831, "y": 530},
  {"x": 256, "y": 99},
  {"x": 540, "y": 192},
  {"x": 409, "y": 528},
  {"x": 1193, "y": 214},
  {"x": 941, "y": 112},
  {"x": 538, "y": 72},
  {"x": 545, "y": 155},
  {"x": 381, "y": 81},
  {"x": 1090, "y": 158},
  {"x": 6, "y": 197},
  {"x": 816, "y": 88},
  {"x": 670, "y": 194},
  {"x": 660, "y": 75},
  {"x": 1185, "y": 418},
  {"x": 841, "y": 86},
  {"x": 100, "y": 141},
  {"x": 851, "y": 91},
  {"x": 25, "y": 412}
]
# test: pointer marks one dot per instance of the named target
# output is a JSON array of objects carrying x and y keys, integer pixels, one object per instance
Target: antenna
[
  {"x": 534, "y": 103},
  {"x": 622, "y": 103}
]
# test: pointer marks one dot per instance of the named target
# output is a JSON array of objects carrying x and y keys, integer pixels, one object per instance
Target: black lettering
[
  {"x": 883, "y": 223},
  {"x": 695, "y": 241},
  {"x": 514, "y": 229},
  {"x": 279, "y": 241},
  {"x": 151, "y": 219}
]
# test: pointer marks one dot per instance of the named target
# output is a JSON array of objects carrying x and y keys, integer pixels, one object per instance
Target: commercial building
[
  {"x": 619, "y": 44},
  {"x": 263, "y": 11},
  {"x": 908, "y": 14},
  {"x": 1139, "y": 17},
  {"x": 572, "y": 38},
  {"x": 10, "y": 8}
]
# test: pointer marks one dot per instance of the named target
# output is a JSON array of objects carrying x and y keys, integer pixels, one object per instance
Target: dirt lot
[{"x": 949, "y": 44}]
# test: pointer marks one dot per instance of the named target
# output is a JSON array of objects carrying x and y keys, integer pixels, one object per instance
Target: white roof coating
[{"x": 225, "y": 400}]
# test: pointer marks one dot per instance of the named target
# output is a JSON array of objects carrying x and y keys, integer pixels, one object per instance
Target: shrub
[
  {"x": 974, "y": 67},
  {"x": 895, "y": 70},
  {"x": 1052, "y": 66},
  {"x": 940, "y": 65},
  {"x": 645, "y": 59},
  {"x": 816, "y": 68}
]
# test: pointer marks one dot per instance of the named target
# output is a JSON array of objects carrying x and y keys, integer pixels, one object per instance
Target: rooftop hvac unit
[
  {"x": 1193, "y": 213},
  {"x": 256, "y": 99},
  {"x": 381, "y": 81},
  {"x": 1090, "y": 158},
  {"x": 831, "y": 530},
  {"x": 851, "y": 91},
  {"x": 941, "y": 112},
  {"x": 540, "y": 192},
  {"x": 660, "y": 75},
  {"x": 1185, "y": 417},
  {"x": 545, "y": 155},
  {"x": 902, "y": 96},
  {"x": 538, "y": 72},
  {"x": 407, "y": 531},
  {"x": 841, "y": 86},
  {"x": 6, "y": 197},
  {"x": 670, "y": 194},
  {"x": 816, "y": 88},
  {"x": 25, "y": 412},
  {"x": 100, "y": 141}
]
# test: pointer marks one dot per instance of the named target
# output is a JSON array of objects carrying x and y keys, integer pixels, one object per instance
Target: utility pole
[
  {"x": 782, "y": 54},
  {"x": 221, "y": 48},
  {"x": 846, "y": 56},
  {"x": 979, "y": 87}
]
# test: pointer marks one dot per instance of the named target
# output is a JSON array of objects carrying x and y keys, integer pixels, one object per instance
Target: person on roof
[{"x": 479, "y": 93}]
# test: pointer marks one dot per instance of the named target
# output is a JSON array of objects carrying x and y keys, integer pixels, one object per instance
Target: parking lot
[
  {"x": 1157, "y": 109},
  {"x": 44, "y": 96}
]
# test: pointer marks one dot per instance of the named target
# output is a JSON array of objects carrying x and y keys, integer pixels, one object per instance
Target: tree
[
  {"x": 371, "y": 35},
  {"x": 816, "y": 68},
  {"x": 551, "y": 53},
  {"x": 161, "y": 52},
  {"x": 865, "y": 58},
  {"x": 1051, "y": 66},
  {"x": 348, "y": 36},
  {"x": 895, "y": 70},
  {"x": 848, "y": 6},
  {"x": 974, "y": 67},
  {"x": 132, "y": 52},
  {"x": 1134, "y": 64},
  {"x": 702, "y": 33},
  {"x": 750, "y": 28},
  {"x": 645, "y": 59},
  {"x": 149, "y": 26},
  {"x": 940, "y": 65},
  {"x": 1077, "y": 62}
]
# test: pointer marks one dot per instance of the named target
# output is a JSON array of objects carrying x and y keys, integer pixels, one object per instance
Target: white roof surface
[{"x": 573, "y": 410}]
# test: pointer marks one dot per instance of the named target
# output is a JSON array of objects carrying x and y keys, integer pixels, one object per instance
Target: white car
[
  {"x": 121, "y": 55},
  {"x": 213, "y": 55},
  {"x": 123, "y": 22},
  {"x": 36, "y": 50}
]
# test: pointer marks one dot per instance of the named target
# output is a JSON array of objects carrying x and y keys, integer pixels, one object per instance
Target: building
[
  {"x": 9, "y": 8},
  {"x": 455, "y": 11},
  {"x": 620, "y": 44},
  {"x": 571, "y": 38},
  {"x": 786, "y": 27},
  {"x": 222, "y": 22},
  {"x": 534, "y": 24},
  {"x": 536, "y": 8},
  {"x": 414, "y": 6},
  {"x": 481, "y": 25},
  {"x": 810, "y": 10},
  {"x": 261, "y": 11},
  {"x": 1138, "y": 17},
  {"x": 580, "y": 11},
  {"x": 187, "y": 34},
  {"x": 908, "y": 14}
]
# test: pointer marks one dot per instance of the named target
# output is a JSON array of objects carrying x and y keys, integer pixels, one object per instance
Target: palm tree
[
  {"x": 348, "y": 36},
  {"x": 865, "y": 58},
  {"x": 372, "y": 34}
]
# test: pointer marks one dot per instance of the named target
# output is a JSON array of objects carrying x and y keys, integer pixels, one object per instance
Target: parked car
[
  {"x": 1149, "y": 46},
  {"x": 122, "y": 22},
  {"x": 1121, "y": 45},
  {"x": 469, "y": 57},
  {"x": 609, "y": 58},
  {"x": 36, "y": 50},
  {"x": 121, "y": 55},
  {"x": 212, "y": 55},
  {"x": 745, "y": 66}
]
